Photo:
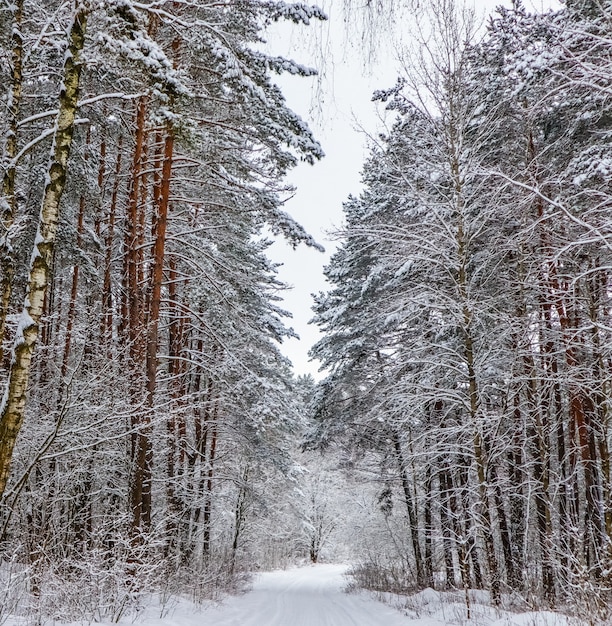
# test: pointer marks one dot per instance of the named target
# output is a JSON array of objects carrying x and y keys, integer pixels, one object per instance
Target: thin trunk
[
  {"x": 518, "y": 508},
  {"x": 158, "y": 255},
  {"x": 565, "y": 519},
  {"x": 596, "y": 289},
  {"x": 8, "y": 200},
  {"x": 504, "y": 530},
  {"x": 139, "y": 422},
  {"x": 461, "y": 540},
  {"x": 203, "y": 427},
  {"x": 152, "y": 346},
  {"x": 75, "y": 281},
  {"x": 410, "y": 508},
  {"x": 486, "y": 525},
  {"x": 480, "y": 453},
  {"x": 537, "y": 435},
  {"x": 602, "y": 434},
  {"x": 180, "y": 382},
  {"x": 101, "y": 174},
  {"x": 429, "y": 530},
  {"x": 133, "y": 250},
  {"x": 107, "y": 297},
  {"x": 240, "y": 515},
  {"x": 208, "y": 500},
  {"x": 447, "y": 529}
]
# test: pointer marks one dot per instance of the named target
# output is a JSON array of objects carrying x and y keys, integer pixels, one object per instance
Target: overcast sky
[{"x": 339, "y": 110}]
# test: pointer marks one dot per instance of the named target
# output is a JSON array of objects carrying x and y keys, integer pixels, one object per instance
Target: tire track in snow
[{"x": 308, "y": 596}]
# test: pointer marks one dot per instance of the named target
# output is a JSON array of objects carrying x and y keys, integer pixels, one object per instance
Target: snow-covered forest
[{"x": 153, "y": 437}]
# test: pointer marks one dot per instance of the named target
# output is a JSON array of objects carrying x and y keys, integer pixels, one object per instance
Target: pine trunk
[{"x": 107, "y": 294}]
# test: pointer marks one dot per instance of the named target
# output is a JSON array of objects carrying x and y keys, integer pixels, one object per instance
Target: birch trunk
[{"x": 14, "y": 401}]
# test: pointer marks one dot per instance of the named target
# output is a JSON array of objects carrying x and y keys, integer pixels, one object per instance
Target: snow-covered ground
[
  {"x": 308, "y": 596},
  {"x": 315, "y": 596}
]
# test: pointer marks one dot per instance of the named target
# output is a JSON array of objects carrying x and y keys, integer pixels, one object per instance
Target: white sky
[{"x": 339, "y": 110}]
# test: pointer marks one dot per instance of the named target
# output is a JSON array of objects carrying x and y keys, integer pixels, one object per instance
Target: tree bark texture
[{"x": 8, "y": 200}]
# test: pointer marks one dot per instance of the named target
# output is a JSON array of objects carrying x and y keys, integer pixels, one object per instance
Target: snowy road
[
  {"x": 314, "y": 596},
  {"x": 309, "y": 596}
]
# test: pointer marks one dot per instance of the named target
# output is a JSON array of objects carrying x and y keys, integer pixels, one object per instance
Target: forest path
[{"x": 307, "y": 596}]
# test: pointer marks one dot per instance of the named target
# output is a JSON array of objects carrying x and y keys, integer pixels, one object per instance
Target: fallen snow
[{"x": 308, "y": 596}]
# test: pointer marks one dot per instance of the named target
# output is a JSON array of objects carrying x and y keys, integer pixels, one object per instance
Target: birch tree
[{"x": 13, "y": 404}]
